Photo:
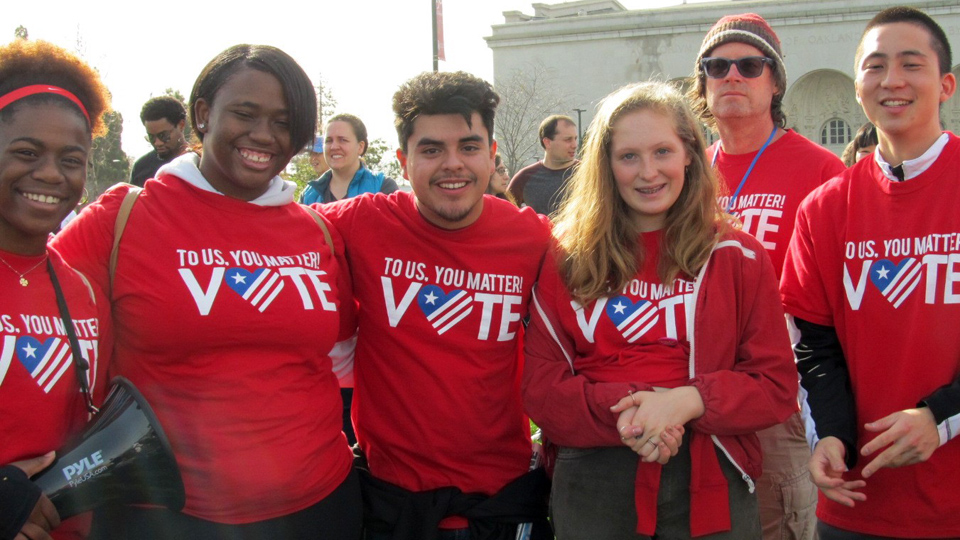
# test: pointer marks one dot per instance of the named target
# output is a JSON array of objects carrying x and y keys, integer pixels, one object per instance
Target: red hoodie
[{"x": 740, "y": 361}]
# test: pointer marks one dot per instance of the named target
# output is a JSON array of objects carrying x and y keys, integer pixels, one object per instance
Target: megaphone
[{"x": 123, "y": 457}]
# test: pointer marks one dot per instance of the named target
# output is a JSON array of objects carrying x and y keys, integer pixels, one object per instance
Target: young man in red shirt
[
  {"x": 870, "y": 281},
  {"x": 442, "y": 292}
]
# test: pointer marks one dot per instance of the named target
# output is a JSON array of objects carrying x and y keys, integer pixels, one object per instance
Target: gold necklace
[{"x": 23, "y": 279}]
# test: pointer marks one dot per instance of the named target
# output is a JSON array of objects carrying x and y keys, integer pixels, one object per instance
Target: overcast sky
[{"x": 363, "y": 48}]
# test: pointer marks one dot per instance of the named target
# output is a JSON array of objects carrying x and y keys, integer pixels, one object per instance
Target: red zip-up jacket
[{"x": 740, "y": 361}]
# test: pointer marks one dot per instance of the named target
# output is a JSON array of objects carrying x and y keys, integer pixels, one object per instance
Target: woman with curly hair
[
  {"x": 233, "y": 312},
  {"x": 657, "y": 345},
  {"x": 51, "y": 367}
]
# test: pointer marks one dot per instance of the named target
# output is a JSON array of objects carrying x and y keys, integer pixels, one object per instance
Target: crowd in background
[{"x": 744, "y": 339}]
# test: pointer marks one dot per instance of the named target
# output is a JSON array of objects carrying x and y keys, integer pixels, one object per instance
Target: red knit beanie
[{"x": 748, "y": 28}]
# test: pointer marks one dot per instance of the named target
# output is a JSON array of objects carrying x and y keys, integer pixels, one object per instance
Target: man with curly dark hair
[
  {"x": 164, "y": 118},
  {"x": 442, "y": 292}
]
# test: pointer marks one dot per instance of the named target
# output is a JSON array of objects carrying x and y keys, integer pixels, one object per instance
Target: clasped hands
[{"x": 651, "y": 423}]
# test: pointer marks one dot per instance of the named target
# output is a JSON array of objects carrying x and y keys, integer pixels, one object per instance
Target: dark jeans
[
  {"x": 346, "y": 395},
  {"x": 593, "y": 497},
  {"x": 445, "y": 534},
  {"x": 336, "y": 517},
  {"x": 829, "y": 532}
]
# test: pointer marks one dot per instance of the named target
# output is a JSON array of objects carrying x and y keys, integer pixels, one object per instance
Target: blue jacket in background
[{"x": 364, "y": 181}]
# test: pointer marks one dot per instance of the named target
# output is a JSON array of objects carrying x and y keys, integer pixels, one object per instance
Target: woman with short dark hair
[
  {"x": 862, "y": 145},
  {"x": 499, "y": 179},
  {"x": 233, "y": 312}
]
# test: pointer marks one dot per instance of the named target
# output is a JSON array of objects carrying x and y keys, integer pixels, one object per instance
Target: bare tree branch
[
  {"x": 326, "y": 102},
  {"x": 527, "y": 96}
]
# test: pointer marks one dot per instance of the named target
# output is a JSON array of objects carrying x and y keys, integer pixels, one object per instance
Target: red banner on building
[{"x": 439, "y": 16}]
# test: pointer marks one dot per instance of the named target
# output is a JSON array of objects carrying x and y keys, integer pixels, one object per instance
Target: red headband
[{"x": 25, "y": 91}]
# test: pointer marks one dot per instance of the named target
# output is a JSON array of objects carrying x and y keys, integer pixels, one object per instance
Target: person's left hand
[
  {"x": 910, "y": 437},
  {"x": 668, "y": 446},
  {"x": 646, "y": 415},
  {"x": 650, "y": 449}
]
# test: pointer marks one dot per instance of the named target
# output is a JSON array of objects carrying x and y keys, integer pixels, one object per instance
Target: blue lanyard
[{"x": 713, "y": 163}]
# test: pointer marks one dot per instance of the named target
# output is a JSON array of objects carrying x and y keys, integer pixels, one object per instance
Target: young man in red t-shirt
[
  {"x": 442, "y": 277},
  {"x": 766, "y": 170},
  {"x": 870, "y": 280}
]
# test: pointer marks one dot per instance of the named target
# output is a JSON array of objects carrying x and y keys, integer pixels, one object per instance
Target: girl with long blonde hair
[{"x": 657, "y": 347}]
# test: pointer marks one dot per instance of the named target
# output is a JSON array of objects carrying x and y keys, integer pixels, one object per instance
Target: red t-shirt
[
  {"x": 636, "y": 334},
  {"x": 41, "y": 405},
  {"x": 437, "y": 398},
  {"x": 226, "y": 312},
  {"x": 789, "y": 169},
  {"x": 880, "y": 262}
]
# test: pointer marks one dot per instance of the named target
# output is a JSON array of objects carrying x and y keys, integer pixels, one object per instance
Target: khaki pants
[{"x": 787, "y": 495}]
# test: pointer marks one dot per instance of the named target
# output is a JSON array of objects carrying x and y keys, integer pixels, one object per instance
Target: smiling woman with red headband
[{"x": 51, "y": 104}]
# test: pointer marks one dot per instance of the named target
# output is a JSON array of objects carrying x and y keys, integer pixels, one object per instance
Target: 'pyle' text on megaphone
[
  {"x": 89, "y": 463},
  {"x": 123, "y": 457}
]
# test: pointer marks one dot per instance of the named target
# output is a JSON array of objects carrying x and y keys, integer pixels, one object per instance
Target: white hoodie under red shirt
[{"x": 226, "y": 313}]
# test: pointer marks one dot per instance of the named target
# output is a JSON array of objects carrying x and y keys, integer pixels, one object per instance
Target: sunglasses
[
  {"x": 163, "y": 136},
  {"x": 750, "y": 67}
]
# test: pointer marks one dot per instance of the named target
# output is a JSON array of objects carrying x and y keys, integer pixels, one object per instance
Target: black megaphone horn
[{"x": 123, "y": 457}]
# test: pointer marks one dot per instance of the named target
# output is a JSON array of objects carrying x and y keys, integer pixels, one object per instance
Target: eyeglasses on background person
[{"x": 163, "y": 136}]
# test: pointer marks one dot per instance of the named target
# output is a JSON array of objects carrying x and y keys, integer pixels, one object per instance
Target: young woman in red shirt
[{"x": 657, "y": 346}]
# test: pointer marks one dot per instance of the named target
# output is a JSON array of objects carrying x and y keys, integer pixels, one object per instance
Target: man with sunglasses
[
  {"x": 738, "y": 88},
  {"x": 164, "y": 118}
]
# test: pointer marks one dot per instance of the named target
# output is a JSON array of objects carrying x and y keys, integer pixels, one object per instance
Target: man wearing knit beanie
[{"x": 739, "y": 83}]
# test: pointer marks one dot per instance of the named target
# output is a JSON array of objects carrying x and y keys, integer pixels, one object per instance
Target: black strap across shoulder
[{"x": 79, "y": 362}]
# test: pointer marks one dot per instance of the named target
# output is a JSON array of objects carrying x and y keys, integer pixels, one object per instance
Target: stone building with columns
[{"x": 591, "y": 47}]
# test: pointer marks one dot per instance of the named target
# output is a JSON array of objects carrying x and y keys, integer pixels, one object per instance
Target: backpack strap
[
  {"x": 323, "y": 227},
  {"x": 126, "y": 206}
]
